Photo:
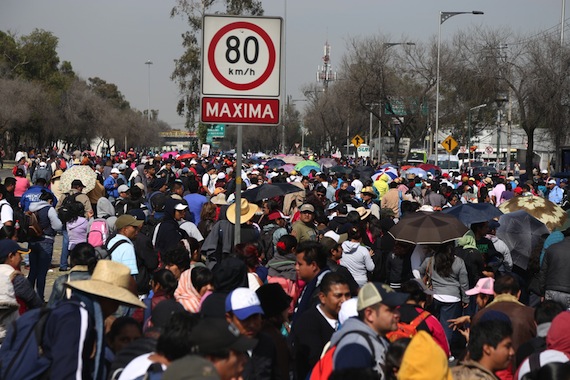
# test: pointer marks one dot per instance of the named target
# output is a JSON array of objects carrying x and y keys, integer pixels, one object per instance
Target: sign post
[
  {"x": 241, "y": 77},
  {"x": 357, "y": 141}
]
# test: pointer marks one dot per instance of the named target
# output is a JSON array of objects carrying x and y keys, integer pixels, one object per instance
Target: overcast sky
[{"x": 112, "y": 39}]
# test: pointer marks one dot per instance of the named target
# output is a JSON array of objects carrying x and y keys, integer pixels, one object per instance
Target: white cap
[
  {"x": 193, "y": 162},
  {"x": 552, "y": 182},
  {"x": 180, "y": 207},
  {"x": 544, "y": 171},
  {"x": 123, "y": 189},
  {"x": 221, "y": 175},
  {"x": 115, "y": 171}
]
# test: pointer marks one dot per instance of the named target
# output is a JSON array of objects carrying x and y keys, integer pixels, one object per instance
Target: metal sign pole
[{"x": 237, "y": 226}]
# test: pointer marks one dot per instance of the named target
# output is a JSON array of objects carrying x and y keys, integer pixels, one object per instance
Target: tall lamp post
[
  {"x": 443, "y": 16},
  {"x": 148, "y": 63},
  {"x": 469, "y": 128}
]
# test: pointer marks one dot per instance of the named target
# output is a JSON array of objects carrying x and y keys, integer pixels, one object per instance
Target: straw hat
[
  {"x": 219, "y": 199},
  {"x": 363, "y": 212},
  {"x": 247, "y": 210},
  {"x": 369, "y": 190},
  {"x": 110, "y": 280},
  {"x": 57, "y": 174}
]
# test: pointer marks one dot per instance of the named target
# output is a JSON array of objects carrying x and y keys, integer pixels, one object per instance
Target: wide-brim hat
[
  {"x": 369, "y": 190},
  {"x": 110, "y": 280},
  {"x": 247, "y": 210},
  {"x": 57, "y": 174},
  {"x": 363, "y": 212},
  {"x": 219, "y": 199}
]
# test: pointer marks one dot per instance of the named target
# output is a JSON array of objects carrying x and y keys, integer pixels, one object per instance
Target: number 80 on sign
[{"x": 241, "y": 56}]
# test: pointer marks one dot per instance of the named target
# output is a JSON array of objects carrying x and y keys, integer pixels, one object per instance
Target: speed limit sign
[{"x": 241, "y": 56}]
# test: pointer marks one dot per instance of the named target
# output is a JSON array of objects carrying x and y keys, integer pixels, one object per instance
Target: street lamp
[
  {"x": 500, "y": 100},
  {"x": 443, "y": 16},
  {"x": 469, "y": 127},
  {"x": 148, "y": 63}
]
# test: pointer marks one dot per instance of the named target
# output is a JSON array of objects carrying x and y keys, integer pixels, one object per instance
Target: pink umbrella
[
  {"x": 288, "y": 167},
  {"x": 168, "y": 154}
]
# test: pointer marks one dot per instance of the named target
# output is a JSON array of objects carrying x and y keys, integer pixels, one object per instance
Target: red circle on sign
[{"x": 241, "y": 86}]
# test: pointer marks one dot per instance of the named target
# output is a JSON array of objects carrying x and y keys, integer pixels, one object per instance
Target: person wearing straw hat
[{"x": 367, "y": 194}]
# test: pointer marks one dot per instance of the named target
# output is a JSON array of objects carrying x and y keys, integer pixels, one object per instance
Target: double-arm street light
[
  {"x": 469, "y": 128},
  {"x": 443, "y": 16}
]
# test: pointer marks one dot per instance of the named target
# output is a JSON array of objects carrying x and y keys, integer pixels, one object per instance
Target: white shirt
[
  {"x": 6, "y": 213},
  {"x": 357, "y": 184},
  {"x": 137, "y": 367}
]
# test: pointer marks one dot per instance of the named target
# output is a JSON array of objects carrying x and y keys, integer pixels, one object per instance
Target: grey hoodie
[
  {"x": 356, "y": 258},
  {"x": 354, "y": 324},
  {"x": 54, "y": 221}
]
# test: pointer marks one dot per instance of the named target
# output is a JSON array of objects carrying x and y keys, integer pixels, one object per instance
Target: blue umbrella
[
  {"x": 389, "y": 165},
  {"x": 417, "y": 171},
  {"x": 470, "y": 213},
  {"x": 275, "y": 163},
  {"x": 305, "y": 170}
]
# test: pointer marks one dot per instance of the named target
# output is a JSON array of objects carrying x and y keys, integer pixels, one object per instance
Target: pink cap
[{"x": 483, "y": 286}]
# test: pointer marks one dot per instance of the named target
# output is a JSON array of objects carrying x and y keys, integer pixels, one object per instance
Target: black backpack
[
  {"x": 266, "y": 242},
  {"x": 63, "y": 213}
]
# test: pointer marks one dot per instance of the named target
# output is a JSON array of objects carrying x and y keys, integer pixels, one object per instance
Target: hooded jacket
[
  {"x": 169, "y": 233},
  {"x": 357, "y": 260},
  {"x": 424, "y": 359},
  {"x": 48, "y": 221},
  {"x": 474, "y": 263},
  {"x": 381, "y": 184},
  {"x": 105, "y": 210},
  {"x": 353, "y": 350},
  {"x": 77, "y": 231}
]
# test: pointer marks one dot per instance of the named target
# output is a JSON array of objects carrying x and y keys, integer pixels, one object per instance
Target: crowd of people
[{"x": 152, "y": 284}]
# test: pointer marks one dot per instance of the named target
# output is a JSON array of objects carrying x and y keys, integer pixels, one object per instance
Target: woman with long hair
[
  {"x": 357, "y": 257},
  {"x": 448, "y": 276},
  {"x": 207, "y": 218}
]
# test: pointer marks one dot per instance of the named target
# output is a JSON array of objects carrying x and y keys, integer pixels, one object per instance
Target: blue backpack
[{"x": 22, "y": 353}]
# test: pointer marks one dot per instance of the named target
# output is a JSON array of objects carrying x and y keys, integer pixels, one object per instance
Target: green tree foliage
[{"x": 187, "y": 68}]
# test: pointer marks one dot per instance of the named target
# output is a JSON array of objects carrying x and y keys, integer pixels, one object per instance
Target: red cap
[{"x": 518, "y": 190}]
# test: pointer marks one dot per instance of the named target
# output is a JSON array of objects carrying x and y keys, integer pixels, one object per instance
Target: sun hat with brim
[
  {"x": 8, "y": 246},
  {"x": 375, "y": 292},
  {"x": 364, "y": 213},
  {"x": 57, "y": 174},
  {"x": 110, "y": 280},
  {"x": 219, "y": 199},
  {"x": 484, "y": 286},
  {"x": 247, "y": 211},
  {"x": 127, "y": 220},
  {"x": 215, "y": 335},
  {"x": 243, "y": 303},
  {"x": 369, "y": 190}
]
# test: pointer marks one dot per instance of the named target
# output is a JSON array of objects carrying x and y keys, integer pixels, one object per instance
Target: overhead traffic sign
[
  {"x": 357, "y": 141},
  {"x": 449, "y": 144},
  {"x": 241, "y": 56}
]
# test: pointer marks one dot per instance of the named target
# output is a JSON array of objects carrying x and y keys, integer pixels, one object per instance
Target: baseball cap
[
  {"x": 329, "y": 243},
  {"x": 123, "y": 189},
  {"x": 193, "y": 162},
  {"x": 243, "y": 302},
  {"x": 127, "y": 220},
  {"x": 483, "y": 286},
  {"x": 544, "y": 171},
  {"x": 8, "y": 246},
  {"x": 180, "y": 206},
  {"x": 215, "y": 335},
  {"x": 161, "y": 313},
  {"x": 77, "y": 183},
  {"x": 350, "y": 189},
  {"x": 115, "y": 171},
  {"x": 277, "y": 215},
  {"x": 307, "y": 208},
  {"x": 332, "y": 206},
  {"x": 564, "y": 180},
  {"x": 518, "y": 190},
  {"x": 552, "y": 182},
  {"x": 375, "y": 292}
]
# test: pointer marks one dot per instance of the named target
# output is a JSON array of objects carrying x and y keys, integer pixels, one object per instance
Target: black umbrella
[
  {"x": 428, "y": 228},
  {"x": 275, "y": 163},
  {"x": 365, "y": 172},
  {"x": 269, "y": 190},
  {"x": 521, "y": 232},
  {"x": 470, "y": 213},
  {"x": 340, "y": 169}
]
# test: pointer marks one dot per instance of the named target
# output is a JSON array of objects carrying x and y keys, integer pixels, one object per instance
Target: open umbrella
[
  {"x": 305, "y": 163},
  {"x": 470, "y": 213},
  {"x": 417, "y": 171},
  {"x": 430, "y": 168},
  {"x": 391, "y": 172},
  {"x": 340, "y": 169},
  {"x": 269, "y": 190},
  {"x": 275, "y": 163},
  {"x": 521, "y": 232},
  {"x": 428, "y": 228},
  {"x": 83, "y": 173},
  {"x": 290, "y": 159},
  {"x": 389, "y": 165},
  {"x": 406, "y": 167},
  {"x": 327, "y": 162},
  {"x": 186, "y": 156},
  {"x": 364, "y": 171},
  {"x": 288, "y": 168},
  {"x": 168, "y": 154},
  {"x": 550, "y": 214}
]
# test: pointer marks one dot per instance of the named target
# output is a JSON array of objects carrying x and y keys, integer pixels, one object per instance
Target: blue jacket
[
  {"x": 33, "y": 195},
  {"x": 110, "y": 188}
]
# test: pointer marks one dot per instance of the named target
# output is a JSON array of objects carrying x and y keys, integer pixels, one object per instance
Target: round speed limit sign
[{"x": 241, "y": 56}]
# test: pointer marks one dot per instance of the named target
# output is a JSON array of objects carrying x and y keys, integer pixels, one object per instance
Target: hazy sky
[{"x": 112, "y": 39}]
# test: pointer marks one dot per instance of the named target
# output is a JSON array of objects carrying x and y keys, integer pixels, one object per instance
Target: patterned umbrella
[
  {"x": 428, "y": 228},
  {"x": 550, "y": 214},
  {"x": 81, "y": 172},
  {"x": 292, "y": 159}
]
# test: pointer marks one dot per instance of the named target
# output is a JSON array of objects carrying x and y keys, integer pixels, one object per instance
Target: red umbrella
[
  {"x": 428, "y": 167},
  {"x": 186, "y": 156}
]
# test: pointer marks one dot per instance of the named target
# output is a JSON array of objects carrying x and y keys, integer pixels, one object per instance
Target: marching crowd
[{"x": 153, "y": 286}]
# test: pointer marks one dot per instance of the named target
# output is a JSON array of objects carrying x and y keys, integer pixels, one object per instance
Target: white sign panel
[
  {"x": 363, "y": 150},
  {"x": 241, "y": 56},
  {"x": 205, "y": 151}
]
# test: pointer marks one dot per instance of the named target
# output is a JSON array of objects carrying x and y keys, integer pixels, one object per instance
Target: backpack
[
  {"x": 407, "y": 330},
  {"x": 266, "y": 243},
  {"x": 34, "y": 229},
  {"x": 63, "y": 212},
  {"x": 104, "y": 253},
  {"x": 324, "y": 367},
  {"x": 98, "y": 233},
  {"x": 22, "y": 353}
]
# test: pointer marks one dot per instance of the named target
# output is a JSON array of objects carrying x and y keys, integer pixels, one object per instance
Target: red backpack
[
  {"x": 324, "y": 367},
  {"x": 407, "y": 330}
]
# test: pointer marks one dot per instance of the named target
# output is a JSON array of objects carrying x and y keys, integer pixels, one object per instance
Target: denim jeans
[
  {"x": 40, "y": 261},
  {"x": 445, "y": 311},
  {"x": 63, "y": 260}
]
